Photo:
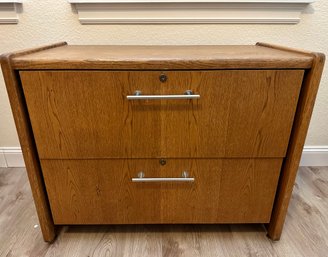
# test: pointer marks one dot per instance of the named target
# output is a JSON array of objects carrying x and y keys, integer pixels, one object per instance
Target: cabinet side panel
[
  {"x": 290, "y": 166},
  {"x": 29, "y": 150}
]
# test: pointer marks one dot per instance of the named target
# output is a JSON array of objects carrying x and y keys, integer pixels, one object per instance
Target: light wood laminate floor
[{"x": 305, "y": 232}]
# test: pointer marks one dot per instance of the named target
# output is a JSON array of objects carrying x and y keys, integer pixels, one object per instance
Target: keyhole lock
[
  {"x": 162, "y": 162},
  {"x": 163, "y": 78}
]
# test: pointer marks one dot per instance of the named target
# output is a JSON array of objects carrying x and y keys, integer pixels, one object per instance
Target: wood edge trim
[
  {"x": 4, "y": 57},
  {"x": 290, "y": 165},
  {"x": 71, "y": 64},
  {"x": 283, "y": 48},
  {"x": 29, "y": 150},
  {"x": 316, "y": 56}
]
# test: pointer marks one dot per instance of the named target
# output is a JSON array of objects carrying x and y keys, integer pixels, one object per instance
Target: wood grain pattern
[
  {"x": 101, "y": 192},
  {"x": 25, "y": 136},
  {"x": 297, "y": 140},
  {"x": 238, "y": 114},
  {"x": 34, "y": 50},
  {"x": 92, "y": 106},
  {"x": 257, "y": 120},
  {"x": 163, "y": 57},
  {"x": 305, "y": 232}
]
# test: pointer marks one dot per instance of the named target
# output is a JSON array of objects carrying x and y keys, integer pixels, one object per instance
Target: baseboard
[
  {"x": 11, "y": 157},
  {"x": 312, "y": 156},
  {"x": 3, "y": 162},
  {"x": 315, "y": 156}
]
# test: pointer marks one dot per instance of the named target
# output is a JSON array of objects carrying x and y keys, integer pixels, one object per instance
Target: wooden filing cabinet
[{"x": 162, "y": 134}]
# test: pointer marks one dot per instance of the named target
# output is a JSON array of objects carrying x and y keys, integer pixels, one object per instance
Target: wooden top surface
[{"x": 161, "y": 57}]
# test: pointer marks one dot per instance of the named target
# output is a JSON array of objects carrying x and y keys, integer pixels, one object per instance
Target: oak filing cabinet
[{"x": 162, "y": 134}]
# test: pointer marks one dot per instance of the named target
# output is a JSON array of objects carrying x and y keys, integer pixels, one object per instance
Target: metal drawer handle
[
  {"x": 184, "y": 178},
  {"x": 138, "y": 96}
]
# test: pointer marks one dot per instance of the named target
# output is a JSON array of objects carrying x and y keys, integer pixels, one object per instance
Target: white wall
[{"x": 46, "y": 22}]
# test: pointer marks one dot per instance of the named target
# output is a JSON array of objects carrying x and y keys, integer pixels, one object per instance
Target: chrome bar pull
[
  {"x": 184, "y": 178},
  {"x": 188, "y": 94}
]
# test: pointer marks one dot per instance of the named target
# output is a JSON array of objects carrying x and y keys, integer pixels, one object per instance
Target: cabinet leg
[
  {"x": 49, "y": 233},
  {"x": 274, "y": 230}
]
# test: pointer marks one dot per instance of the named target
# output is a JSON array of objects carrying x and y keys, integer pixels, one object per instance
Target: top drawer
[{"x": 86, "y": 114}]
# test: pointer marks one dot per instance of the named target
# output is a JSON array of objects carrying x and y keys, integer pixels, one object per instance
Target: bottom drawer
[{"x": 102, "y": 191}]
